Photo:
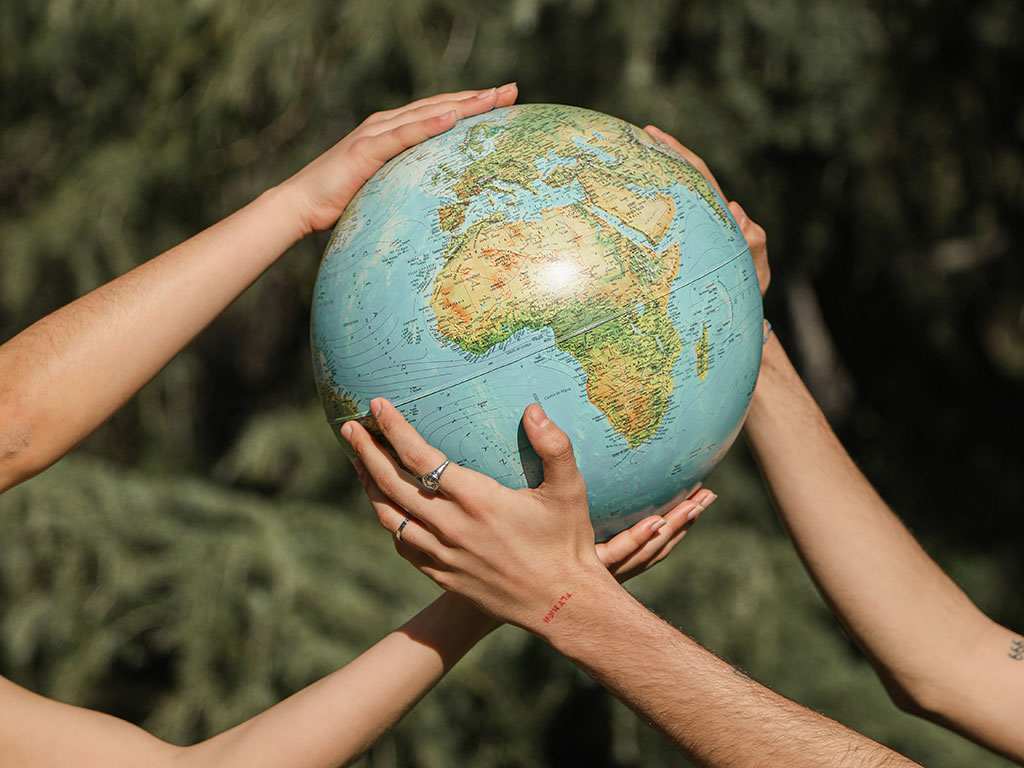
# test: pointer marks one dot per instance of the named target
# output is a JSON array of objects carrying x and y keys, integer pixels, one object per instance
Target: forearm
[
  {"x": 710, "y": 711},
  {"x": 869, "y": 567},
  {"x": 65, "y": 375},
  {"x": 935, "y": 650},
  {"x": 327, "y": 724},
  {"x": 335, "y": 720}
]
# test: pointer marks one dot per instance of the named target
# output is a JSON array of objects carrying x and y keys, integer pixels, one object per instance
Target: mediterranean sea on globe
[{"x": 550, "y": 254}]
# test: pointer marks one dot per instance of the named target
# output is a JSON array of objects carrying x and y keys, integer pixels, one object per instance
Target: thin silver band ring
[{"x": 398, "y": 533}]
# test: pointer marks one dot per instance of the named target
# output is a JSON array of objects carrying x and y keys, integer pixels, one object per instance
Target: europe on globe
[{"x": 550, "y": 254}]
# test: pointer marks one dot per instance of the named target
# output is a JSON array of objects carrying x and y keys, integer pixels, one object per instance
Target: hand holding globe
[{"x": 507, "y": 550}]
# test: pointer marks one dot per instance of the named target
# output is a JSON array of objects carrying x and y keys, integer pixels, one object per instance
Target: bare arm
[
  {"x": 327, "y": 724},
  {"x": 528, "y": 557},
  {"x": 937, "y": 653},
  {"x": 65, "y": 375}
]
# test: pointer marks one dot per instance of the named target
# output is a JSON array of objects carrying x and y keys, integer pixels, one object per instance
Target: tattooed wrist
[
  {"x": 557, "y": 607},
  {"x": 1017, "y": 649}
]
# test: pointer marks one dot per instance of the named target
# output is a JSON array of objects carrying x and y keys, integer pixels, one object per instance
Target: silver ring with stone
[
  {"x": 398, "y": 533},
  {"x": 432, "y": 480}
]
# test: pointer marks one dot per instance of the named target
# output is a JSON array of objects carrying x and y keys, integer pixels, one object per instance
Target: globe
[{"x": 551, "y": 254}]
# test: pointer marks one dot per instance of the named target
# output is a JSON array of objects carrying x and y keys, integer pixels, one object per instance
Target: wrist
[
  {"x": 458, "y": 611},
  {"x": 572, "y": 607},
  {"x": 282, "y": 201},
  {"x": 772, "y": 353}
]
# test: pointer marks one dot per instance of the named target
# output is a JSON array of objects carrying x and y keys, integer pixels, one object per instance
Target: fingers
[
  {"x": 413, "y": 541},
  {"x": 506, "y": 95},
  {"x": 758, "y": 242},
  {"x": 382, "y": 147},
  {"x": 663, "y": 540},
  {"x": 386, "y": 134},
  {"x": 690, "y": 156},
  {"x": 390, "y": 481},
  {"x": 463, "y": 485},
  {"x": 625, "y": 543},
  {"x": 561, "y": 475},
  {"x": 752, "y": 232},
  {"x": 473, "y": 105}
]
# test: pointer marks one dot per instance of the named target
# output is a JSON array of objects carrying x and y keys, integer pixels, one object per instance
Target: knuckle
[
  {"x": 417, "y": 458},
  {"x": 359, "y": 145},
  {"x": 384, "y": 420},
  {"x": 365, "y": 147},
  {"x": 576, "y": 488},
  {"x": 442, "y": 558},
  {"x": 561, "y": 445},
  {"x": 440, "y": 577},
  {"x": 387, "y": 485},
  {"x": 452, "y": 535}
]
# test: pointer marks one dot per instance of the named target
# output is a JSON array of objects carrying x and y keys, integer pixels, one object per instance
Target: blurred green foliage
[{"x": 208, "y": 552}]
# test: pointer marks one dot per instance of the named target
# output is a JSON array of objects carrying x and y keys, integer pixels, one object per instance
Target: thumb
[
  {"x": 738, "y": 213},
  {"x": 554, "y": 448}
]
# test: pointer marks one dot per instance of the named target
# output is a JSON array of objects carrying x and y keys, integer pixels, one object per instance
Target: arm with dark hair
[{"x": 528, "y": 557}]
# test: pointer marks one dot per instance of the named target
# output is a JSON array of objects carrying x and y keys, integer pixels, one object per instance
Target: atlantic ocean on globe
[{"x": 550, "y": 254}]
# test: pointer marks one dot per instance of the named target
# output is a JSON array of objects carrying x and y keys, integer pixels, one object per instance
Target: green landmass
[
  {"x": 498, "y": 281},
  {"x": 548, "y": 129},
  {"x": 703, "y": 350}
]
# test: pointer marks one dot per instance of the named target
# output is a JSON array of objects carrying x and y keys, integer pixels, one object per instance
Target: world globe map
[{"x": 551, "y": 254}]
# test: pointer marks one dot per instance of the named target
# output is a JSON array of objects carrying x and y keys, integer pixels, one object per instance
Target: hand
[
  {"x": 648, "y": 542},
  {"x": 752, "y": 232},
  {"x": 321, "y": 190},
  {"x": 511, "y": 552}
]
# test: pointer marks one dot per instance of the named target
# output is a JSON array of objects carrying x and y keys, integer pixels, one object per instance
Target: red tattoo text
[{"x": 557, "y": 607}]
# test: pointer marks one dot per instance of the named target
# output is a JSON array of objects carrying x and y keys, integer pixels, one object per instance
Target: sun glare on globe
[
  {"x": 545, "y": 253},
  {"x": 560, "y": 276}
]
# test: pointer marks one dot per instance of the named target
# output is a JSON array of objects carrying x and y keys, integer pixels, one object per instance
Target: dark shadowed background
[{"x": 209, "y": 552}]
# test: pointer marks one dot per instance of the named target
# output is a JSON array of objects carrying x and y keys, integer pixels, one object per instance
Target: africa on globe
[{"x": 550, "y": 254}]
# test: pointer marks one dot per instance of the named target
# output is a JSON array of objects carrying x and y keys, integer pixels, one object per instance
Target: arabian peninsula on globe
[{"x": 551, "y": 254}]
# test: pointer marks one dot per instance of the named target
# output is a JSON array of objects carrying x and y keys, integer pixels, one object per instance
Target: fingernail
[
  {"x": 346, "y": 429},
  {"x": 693, "y": 513},
  {"x": 657, "y": 526},
  {"x": 375, "y": 405},
  {"x": 742, "y": 218},
  {"x": 507, "y": 87},
  {"x": 487, "y": 94},
  {"x": 538, "y": 417},
  {"x": 709, "y": 497}
]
